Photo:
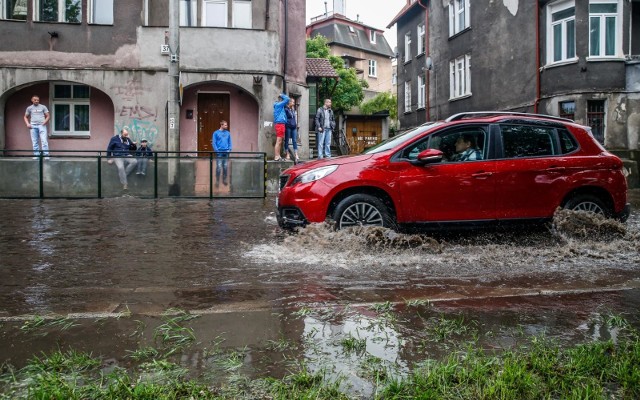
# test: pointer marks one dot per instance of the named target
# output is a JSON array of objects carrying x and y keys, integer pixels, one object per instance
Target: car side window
[
  {"x": 528, "y": 141},
  {"x": 461, "y": 144},
  {"x": 568, "y": 143}
]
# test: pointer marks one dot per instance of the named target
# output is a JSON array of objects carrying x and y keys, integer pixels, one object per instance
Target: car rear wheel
[
  {"x": 362, "y": 210},
  {"x": 588, "y": 203}
]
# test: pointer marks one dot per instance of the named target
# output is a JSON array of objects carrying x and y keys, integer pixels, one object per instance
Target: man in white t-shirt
[{"x": 36, "y": 118}]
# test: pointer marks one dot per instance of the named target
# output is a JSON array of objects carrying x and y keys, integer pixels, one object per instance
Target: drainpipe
[
  {"x": 286, "y": 45},
  {"x": 426, "y": 55},
  {"x": 266, "y": 16},
  {"x": 537, "y": 100}
]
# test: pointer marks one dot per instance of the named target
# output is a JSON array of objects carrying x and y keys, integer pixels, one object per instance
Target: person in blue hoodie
[
  {"x": 221, "y": 141},
  {"x": 279, "y": 121},
  {"x": 143, "y": 153},
  {"x": 292, "y": 129}
]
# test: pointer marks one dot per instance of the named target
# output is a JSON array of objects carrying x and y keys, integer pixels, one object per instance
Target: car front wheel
[
  {"x": 362, "y": 210},
  {"x": 588, "y": 203}
]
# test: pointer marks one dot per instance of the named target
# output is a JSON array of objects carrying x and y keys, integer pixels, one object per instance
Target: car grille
[{"x": 283, "y": 181}]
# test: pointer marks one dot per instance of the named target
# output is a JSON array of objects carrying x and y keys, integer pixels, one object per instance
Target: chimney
[{"x": 340, "y": 7}]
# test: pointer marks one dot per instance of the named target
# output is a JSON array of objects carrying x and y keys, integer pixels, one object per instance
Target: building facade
[
  {"x": 571, "y": 58},
  {"x": 98, "y": 68}
]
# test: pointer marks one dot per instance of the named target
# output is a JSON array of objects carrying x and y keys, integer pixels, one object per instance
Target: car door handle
[
  {"x": 556, "y": 169},
  {"x": 482, "y": 175}
]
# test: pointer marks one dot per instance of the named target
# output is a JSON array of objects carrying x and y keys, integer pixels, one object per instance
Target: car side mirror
[{"x": 429, "y": 156}]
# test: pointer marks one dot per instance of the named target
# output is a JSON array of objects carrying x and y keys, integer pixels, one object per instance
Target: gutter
[{"x": 426, "y": 55}]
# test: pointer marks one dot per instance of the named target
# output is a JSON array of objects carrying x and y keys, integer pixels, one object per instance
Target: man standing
[
  {"x": 36, "y": 118},
  {"x": 221, "y": 141},
  {"x": 120, "y": 147},
  {"x": 325, "y": 124},
  {"x": 279, "y": 120}
]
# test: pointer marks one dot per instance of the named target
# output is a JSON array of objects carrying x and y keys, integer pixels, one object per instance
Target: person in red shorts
[{"x": 279, "y": 121}]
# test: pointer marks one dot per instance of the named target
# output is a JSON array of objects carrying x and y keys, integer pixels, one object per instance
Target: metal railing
[{"x": 88, "y": 174}]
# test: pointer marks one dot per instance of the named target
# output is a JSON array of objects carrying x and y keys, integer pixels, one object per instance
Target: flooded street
[{"x": 104, "y": 276}]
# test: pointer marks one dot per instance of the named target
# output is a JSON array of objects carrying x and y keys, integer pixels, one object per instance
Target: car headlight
[{"x": 315, "y": 174}]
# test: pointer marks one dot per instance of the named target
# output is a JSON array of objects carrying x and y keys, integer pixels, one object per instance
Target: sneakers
[
  {"x": 125, "y": 187},
  {"x": 138, "y": 173}
]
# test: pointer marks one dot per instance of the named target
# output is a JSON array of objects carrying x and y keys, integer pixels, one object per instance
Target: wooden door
[
  {"x": 363, "y": 133},
  {"x": 212, "y": 108}
]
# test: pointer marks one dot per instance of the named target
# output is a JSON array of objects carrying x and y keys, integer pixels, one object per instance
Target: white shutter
[
  {"x": 467, "y": 14},
  {"x": 467, "y": 62},
  {"x": 452, "y": 20},
  {"x": 452, "y": 79}
]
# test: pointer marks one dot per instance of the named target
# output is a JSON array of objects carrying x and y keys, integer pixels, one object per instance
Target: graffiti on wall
[{"x": 134, "y": 112}]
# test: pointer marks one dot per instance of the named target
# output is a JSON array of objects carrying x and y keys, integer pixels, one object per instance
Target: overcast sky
[{"x": 375, "y": 13}]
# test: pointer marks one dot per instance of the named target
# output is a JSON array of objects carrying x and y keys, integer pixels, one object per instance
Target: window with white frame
[
  {"x": 58, "y": 10},
  {"x": 241, "y": 13},
  {"x": 421, "y": 39},
  {"x": 214, "y": 13},
  {"x": 13, "y": 9},
  {"x": 459, "y": 16},
  {"x": 407, "y": 96},
  {"x": 188, "y": 12},
  {"x": 373, "y": 68},
  {"x": 101, "y": 12},
  {"x": 561, "y": 32},
  {"x": 421, "y": 92},
  {"x": 407, "y": 47},
  {"x": 70, "y": 109},
  {"x": 604, "y": 28},
  {"x": 460, "y": 77},
  {"x": 372, "y": 36}
]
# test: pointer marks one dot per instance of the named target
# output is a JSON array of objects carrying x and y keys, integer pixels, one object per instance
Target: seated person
[{"x": 466, "y": 149}]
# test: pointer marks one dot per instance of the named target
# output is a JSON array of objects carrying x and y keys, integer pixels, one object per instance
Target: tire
[
  {"x": 589, "y": 203},
  {"x": 362, "y": 210}
]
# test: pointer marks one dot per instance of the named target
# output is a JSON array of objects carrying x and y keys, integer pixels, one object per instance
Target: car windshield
[{"x": 402, "y": 138}]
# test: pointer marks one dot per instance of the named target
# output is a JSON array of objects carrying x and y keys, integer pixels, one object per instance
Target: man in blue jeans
[
  {"x": 36, "y": 118},
  {"x": 325, "y": 124},
  {"x": 221, "y": 141}
]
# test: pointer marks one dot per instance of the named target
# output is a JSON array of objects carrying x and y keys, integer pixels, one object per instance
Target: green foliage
[
  {"x": 348, "y": 92},
  {"x": 382, "y": 101}
]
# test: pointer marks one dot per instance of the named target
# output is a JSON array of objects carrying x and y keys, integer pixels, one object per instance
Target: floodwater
[{"x": 105, "y": 274}]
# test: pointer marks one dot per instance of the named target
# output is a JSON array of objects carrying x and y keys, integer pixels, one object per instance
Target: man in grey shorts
[{"x": 36, "y": 118}]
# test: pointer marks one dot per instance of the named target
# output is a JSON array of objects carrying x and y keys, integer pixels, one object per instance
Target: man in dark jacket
[
  {"x": 119, "y": 151},
  {"x": 325, "y": 124},
  {"x": 143, "y": 153}
]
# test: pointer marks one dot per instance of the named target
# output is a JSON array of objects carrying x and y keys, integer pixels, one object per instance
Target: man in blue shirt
[
  {"x": 279, "y": 121},
  {"x": 221, "y": 141}
]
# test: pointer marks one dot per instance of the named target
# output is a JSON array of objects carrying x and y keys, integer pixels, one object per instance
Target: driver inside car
[{"x": 466, "y": 149}]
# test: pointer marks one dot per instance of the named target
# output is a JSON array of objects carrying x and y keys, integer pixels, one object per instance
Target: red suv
[{"x": 472, "y": 168}]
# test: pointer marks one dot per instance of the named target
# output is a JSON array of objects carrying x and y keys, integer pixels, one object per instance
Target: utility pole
[{"x": 173, "y": 114}]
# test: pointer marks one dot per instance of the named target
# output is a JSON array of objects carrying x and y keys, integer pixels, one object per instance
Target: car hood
[{"x": 342, "y": 160}]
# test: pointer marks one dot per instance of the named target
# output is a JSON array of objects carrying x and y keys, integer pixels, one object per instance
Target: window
[
  {"x": 214, "y": 13},
  {"x": 421, "y": 92},
  {"x": 460, "y": 80},
  {"x": 394, "y": 78},
  {"x": 101, "y": 12},
  {"x": 407, "y": 47},
  {"x": 372, "y": 36},
  {"x": 347, "y": 63},
  {"x": 459, "y": 16},
  {"x": 421, "y": 39},
  {"x": 596, "y": 118},
  {"x": 567, "y": 109},
  {"x": 58, "y": 10},
  {"x": 567, "y": 142},
  {"x": 351, "y": 29},
  {"x": 373, "y": 68},
  {"x": 604, "y": 34},
  {"x": 561, "y": 32},
  {"x": 14, "y": 9},
  {"x": 70, "y": 110},
  {"x": 242, "y": 14},
  {"x": 476, "y": 136},
  {"x": 407, "y": 96},
  {"x": 527, "y": 141},
  {"x": 188, "y": 12}
]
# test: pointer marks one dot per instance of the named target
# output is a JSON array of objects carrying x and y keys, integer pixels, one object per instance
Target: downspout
[
  {"x": 537, "y": 100},
  {"x": 426, "y": 55},
  {"x": 286, "y": 45},
  {"x": 266, "y": 16}
]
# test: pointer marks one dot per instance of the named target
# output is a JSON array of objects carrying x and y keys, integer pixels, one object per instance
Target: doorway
[{"x": 212, "y": 108}]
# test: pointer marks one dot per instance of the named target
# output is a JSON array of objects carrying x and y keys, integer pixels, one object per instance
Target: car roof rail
[{"x": 459, "y": 116}]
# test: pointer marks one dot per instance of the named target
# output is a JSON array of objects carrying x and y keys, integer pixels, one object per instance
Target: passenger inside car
[{"x": 466, "y": 149}]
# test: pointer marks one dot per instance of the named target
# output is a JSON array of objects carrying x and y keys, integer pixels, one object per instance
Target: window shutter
[
  {"x": 452, "y": 20},
  {"x": 467, "y": 62},
  {"x": 467, "y": 15},
  {"x": 452, "y": 79}
]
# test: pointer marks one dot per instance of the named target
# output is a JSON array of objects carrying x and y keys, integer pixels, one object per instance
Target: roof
[
  {"x": 352, "y": 34},
  {"x": 320, "y": 68},
  {"x": 403, "y": 12}
]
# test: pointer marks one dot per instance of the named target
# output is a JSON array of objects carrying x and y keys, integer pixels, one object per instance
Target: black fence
[{"x": 91, "y": 174}]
